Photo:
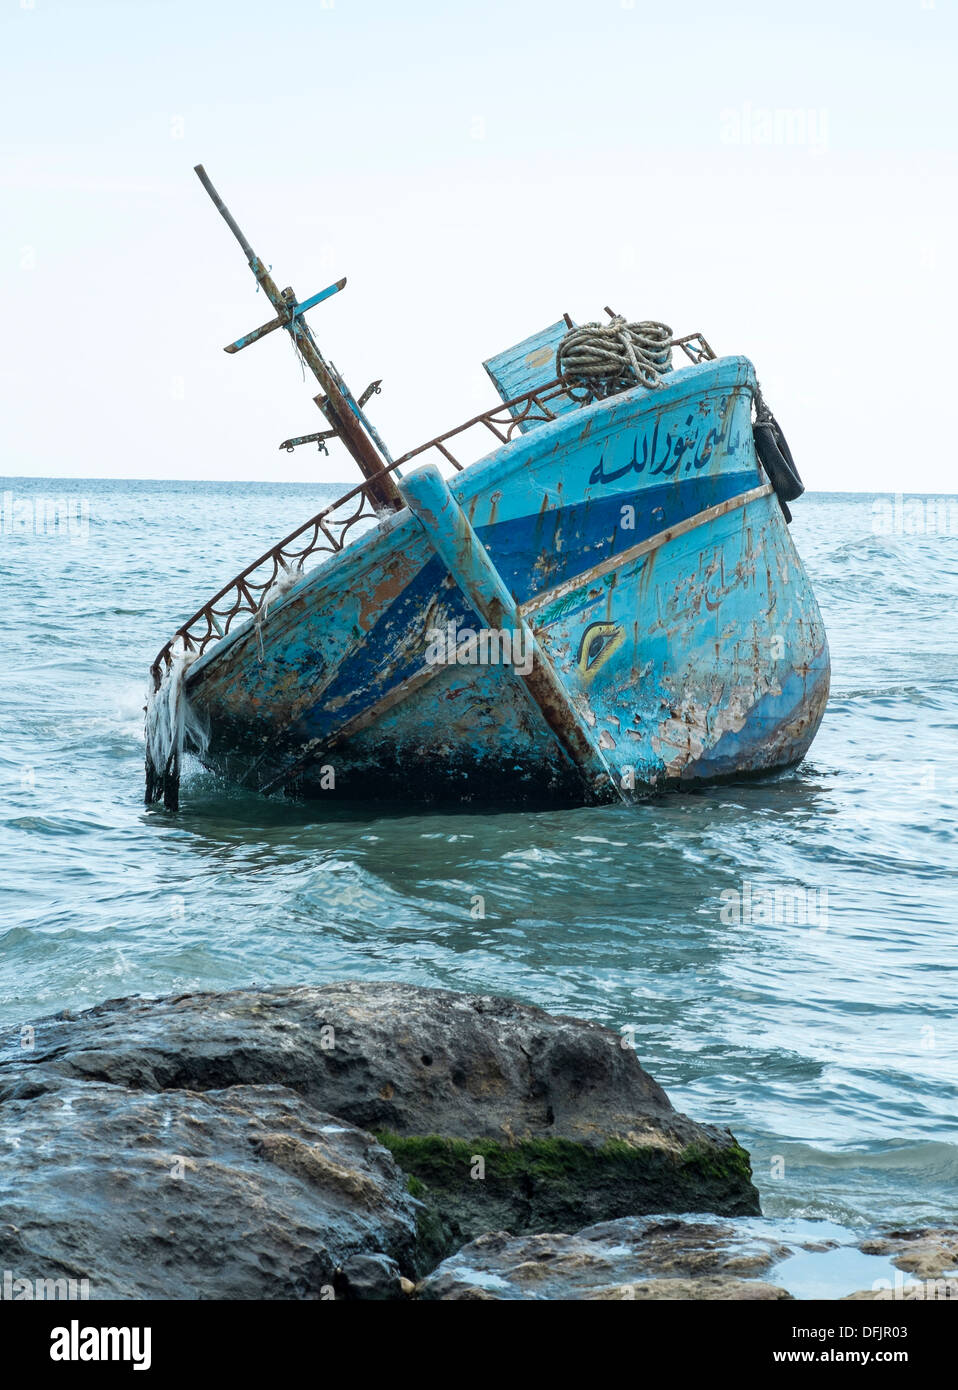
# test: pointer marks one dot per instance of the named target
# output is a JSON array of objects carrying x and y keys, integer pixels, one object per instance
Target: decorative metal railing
[{"x": 244, "y": 596}]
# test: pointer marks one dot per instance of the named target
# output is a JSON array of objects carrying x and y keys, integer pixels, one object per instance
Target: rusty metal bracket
[
  {"x": 319, "y": 438},
  {"x": 695, "y": 347}
]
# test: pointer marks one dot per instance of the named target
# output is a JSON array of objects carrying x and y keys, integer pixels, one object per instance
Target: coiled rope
[{"x": 601, "y": 359}]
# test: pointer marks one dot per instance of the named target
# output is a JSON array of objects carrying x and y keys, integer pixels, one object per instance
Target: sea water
[{"x": 781, "y": 953}]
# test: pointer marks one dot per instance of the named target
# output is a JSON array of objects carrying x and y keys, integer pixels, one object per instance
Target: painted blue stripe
[
  {"x": 318, "y": 298},
  {"x": 589, "y": 533},
  {"x": 565, "y": 541}
]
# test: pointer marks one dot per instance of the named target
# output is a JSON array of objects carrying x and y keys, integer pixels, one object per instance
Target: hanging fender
[{"x": 776, "y": 458}]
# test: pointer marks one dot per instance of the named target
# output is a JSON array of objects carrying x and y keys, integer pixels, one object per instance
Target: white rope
[
  {"x": 286, "y": 577},
  {"x": 171, "y": 720},
  {"x": 601, "y": 359}
]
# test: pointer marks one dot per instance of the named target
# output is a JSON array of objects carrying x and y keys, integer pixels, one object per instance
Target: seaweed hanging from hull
[{"x": 172, "y": 725}]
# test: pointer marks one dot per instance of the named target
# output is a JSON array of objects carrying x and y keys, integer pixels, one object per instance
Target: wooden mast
[{"x": 338, "y": 406}]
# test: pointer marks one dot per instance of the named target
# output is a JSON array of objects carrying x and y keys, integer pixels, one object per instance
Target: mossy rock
[{"x": 474, "y": 1186}]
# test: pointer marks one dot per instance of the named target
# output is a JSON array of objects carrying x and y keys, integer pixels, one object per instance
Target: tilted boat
[{"x": 608, "y": 602}]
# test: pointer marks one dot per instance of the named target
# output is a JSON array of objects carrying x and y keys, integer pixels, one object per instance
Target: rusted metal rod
[
  {"x": 226, "y": 215},
  {"x": 338, "y": 408}
]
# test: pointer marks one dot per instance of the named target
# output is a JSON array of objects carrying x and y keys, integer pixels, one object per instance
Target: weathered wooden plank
[{"x": 528, "y": 365}]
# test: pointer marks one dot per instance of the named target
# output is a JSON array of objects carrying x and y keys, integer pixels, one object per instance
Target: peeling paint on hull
[{"x": 642, "y": 544}]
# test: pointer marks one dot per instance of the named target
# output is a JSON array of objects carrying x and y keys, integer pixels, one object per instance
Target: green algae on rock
[{"x": 552, "y": 1184}]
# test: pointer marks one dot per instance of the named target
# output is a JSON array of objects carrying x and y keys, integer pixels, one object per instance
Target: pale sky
[{"x": 780, "y": 176}]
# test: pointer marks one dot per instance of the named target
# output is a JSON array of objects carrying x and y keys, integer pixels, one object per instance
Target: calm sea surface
[{"x": 831, "y": 1048}]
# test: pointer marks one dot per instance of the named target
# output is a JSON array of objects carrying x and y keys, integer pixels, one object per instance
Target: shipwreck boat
[{"x": 606, "y": 603}]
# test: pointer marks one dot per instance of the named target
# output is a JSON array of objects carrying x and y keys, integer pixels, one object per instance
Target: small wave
[
  {"x": 933, "y": 1158},
  {"x": 53, "y": 825}
]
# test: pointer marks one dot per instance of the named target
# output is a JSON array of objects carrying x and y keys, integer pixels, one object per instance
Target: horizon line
[{"x": 347, "y": 485}]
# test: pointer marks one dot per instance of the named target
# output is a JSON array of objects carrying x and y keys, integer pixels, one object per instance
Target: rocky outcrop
[
  {"x": 927, "y": 1260},
  {"x": 231, "y": 1194},
  {"x": 689, "y": 1257},
  {"x": 928, "y": 1253},
  {"x": 504, "y": 1116},
  {"x": 633, "y": 1258},
  {"x": 343, "y": 1141}
]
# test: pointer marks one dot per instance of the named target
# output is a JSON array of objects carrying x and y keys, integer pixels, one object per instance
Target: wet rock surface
[
  {"x": 502, "y": 1114},
  {"x": 374, "y": 1278},
  {"x": 927, "y": 1253},
  {"x": 242, "y": 1193},
  {"x": 381, "y": 1141},
  {"x": 925, "y": 1261},
  {"x": 632, "y": 1258},
  {"x": 695, "y": 1257}
]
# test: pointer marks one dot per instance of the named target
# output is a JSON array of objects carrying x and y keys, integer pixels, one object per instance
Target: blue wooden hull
[{"x": 645, "y": 549}]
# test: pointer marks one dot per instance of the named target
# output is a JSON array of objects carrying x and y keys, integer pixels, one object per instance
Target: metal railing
[{"x": 243, "y": 597}]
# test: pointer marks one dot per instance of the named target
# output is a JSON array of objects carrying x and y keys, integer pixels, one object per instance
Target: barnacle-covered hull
[{"x": 639, "y": 546}]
